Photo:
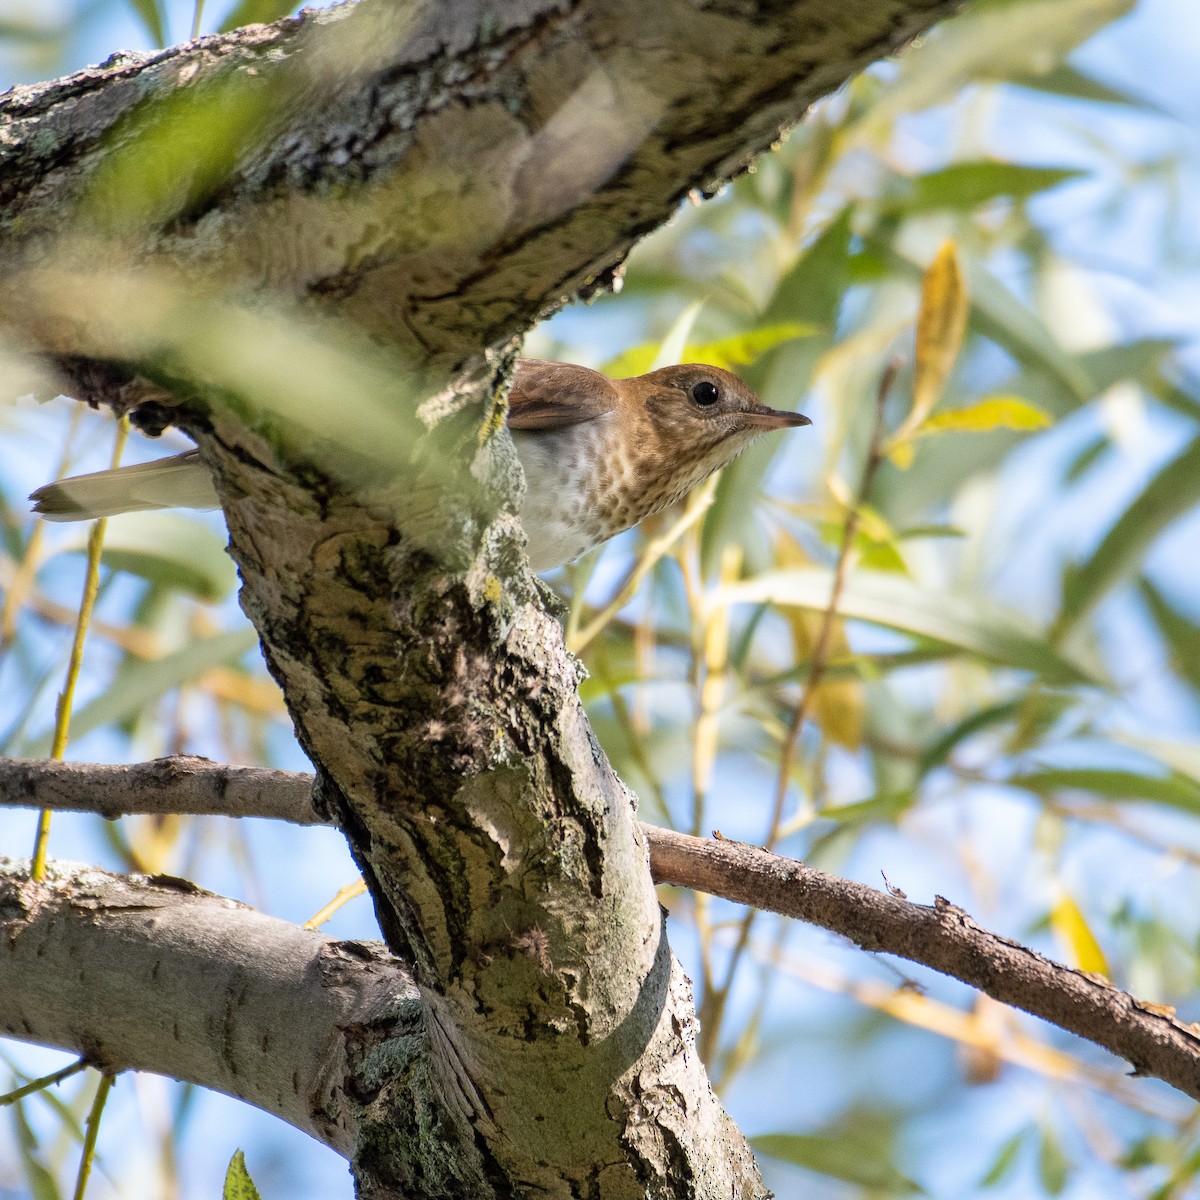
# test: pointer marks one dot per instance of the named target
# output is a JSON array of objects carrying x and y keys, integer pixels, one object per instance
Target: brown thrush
[{"x": 599, "y": 454}]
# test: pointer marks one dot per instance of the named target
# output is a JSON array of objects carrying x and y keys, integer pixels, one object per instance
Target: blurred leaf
[
  {"x": 1174, "y": 491},
  {"x": 153, "y": 17},
  {"x": 1053, "y": 1167},
  {"x": 995, "y": 412},
  {"x": 986, "y": 718},
  {"x": 168, "y": 549},
  {"x": 988, "y": 41},
  {"x": 1005, "y": 1160},
  {"x": 971, "y": 623},
  {"x": 30, "y": 33},
  {"x": 1183, "y": 757},
  {"x": 886, "y": 808},
  {"x": 41, "y": 1182},
  {"x": 238, "y": 1184},
  {"x": 1087, "y": 456},
  {"x": 1065, "y": 80},
  {"x": 998, "y": 314},
  {"x": 941, "y": 325},
  {"x": 728, "y": 353},
  {"x": 671, "y": 350},
  {"x": 139, "y": 683},
  {"x": 812, "y": 289},
  {"x": 1179, "y": 631},
  {"x": 733, "y": 352},
  {"x": 839, "y": 1157},
  {"x": 1173, "y": 788},
  {"x": 1069, "y": 923},
  {"x": 967, "y": 185},
  {"x": 255, "y": 12}
]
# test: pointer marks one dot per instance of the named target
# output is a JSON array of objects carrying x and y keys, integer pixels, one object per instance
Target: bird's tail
[{"x": 182, "y": 481}]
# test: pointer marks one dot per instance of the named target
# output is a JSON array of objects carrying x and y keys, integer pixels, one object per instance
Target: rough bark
[
  {"x": 433, "y": 177},
  {"x": 942, "y": 936}
]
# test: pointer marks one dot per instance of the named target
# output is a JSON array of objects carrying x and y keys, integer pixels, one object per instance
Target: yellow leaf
[
  {"x": 901, "y": 454},
  {"x": 1069, "y": 923},
  {"x": 941, "y": 324},
  {"x": 996, "y": 412}
]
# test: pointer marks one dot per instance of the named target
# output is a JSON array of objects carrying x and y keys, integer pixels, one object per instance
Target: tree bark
[{"x": 333, "y": 286}]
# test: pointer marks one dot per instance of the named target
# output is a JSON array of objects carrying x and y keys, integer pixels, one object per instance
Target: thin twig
[
  {"x": 91, "y": 1132},
  {"x": 46, "y": 1081},
  {"x": 712, "y": 1009},
  {"x": 62, "y": 710}
]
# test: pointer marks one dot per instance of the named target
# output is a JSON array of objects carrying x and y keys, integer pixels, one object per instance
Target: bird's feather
[{"x": 550, "y": 395}]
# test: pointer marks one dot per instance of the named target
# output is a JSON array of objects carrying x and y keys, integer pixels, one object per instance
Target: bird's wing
[{"x": 549, "y": 395}]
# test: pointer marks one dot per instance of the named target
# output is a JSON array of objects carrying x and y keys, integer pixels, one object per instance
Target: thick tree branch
[
  {"x": 941, "y": 937},
  {"x": 155, "y": 975}
]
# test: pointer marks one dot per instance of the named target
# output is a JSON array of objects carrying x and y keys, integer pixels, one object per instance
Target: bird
[{"x": 599, "y": 454}]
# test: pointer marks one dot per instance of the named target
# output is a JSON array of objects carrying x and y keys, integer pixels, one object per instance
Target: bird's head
[{"x": 700, "y": 416}]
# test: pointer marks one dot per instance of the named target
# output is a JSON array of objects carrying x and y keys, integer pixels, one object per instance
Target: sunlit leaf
[
  {"x": 238, "y": 1184},
  {"x": 166, "y": 548},
  {"x": 839, "y": 1157},
  {"x": 733, "y": 352},
  {"x": 971, "y": 623},
  {"x": 1071, "y": 926},
  {"x": 941, "y": 325},
  {"x": 995, "y": 412},
  {"x": 1173, "y": 491},
  {"x": 254, "y": 12},
  {"x": 141, "y": 682}
]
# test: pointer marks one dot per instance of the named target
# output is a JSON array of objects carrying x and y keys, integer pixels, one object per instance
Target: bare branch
[
  {"x": 155, "y": 975},
  {"x": 942, "y": 937}
]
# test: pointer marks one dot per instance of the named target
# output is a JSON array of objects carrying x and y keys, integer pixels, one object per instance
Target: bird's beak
[{"x": 764, "y": 418}]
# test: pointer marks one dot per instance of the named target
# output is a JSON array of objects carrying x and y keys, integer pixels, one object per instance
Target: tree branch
[
  {"x": 942, "y": 937},
  {"x": 156, "y": 975}
]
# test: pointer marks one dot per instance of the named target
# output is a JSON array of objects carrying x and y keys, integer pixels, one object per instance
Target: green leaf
[
  {"x": 1174, "y": 491},
  {"x": 967, "y": 185},
  {"x": 968, "y": 622},
  {"x": 238, "y": 1184},
  {"x": 140, "y": 683},
  {"x": 887, "y": 808},
  {"x": 838, "y": 1157},
  {"x": 994, "y": 412},
  {"x": 813, "y": 287},
  {"x": 1053, "y": 1168},
  {"x": 1178, "y": 631},
  {"x": 166, "y": 548},
  {"x": 254, "y": 12},
  {"x": 153, "y": 17},
  {"x": 1065, "y": 80},
  {"x": 986, "y": 718},
  {"x": 1173, "y": 788},
  {"x": 1005, "y": 1160}
]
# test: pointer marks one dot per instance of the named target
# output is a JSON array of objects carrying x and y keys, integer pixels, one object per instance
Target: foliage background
[{"x": 1015, "y": 727}]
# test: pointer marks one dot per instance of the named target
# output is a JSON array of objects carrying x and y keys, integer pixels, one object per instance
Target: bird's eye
[{"x": 705, "y": 393}]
